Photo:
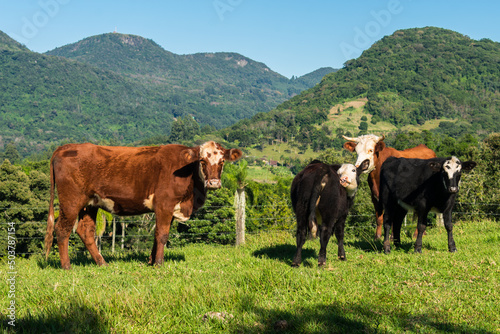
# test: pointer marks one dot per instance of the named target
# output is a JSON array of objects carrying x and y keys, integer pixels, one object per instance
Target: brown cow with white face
[
  {"x": 170, "y": 180},
  {"x": 372, "y": 147}
]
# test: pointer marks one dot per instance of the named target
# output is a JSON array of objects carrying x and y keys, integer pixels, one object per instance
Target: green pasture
[{"x": 255, "y": 290}]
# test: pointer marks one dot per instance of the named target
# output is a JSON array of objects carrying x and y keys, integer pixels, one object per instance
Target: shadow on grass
[
  {"x": 285, "y": 253},
  {"x": 84, "y": 258},
  {"x": 346, "y": 317},
  {"x": 76, "y": 317},
  {"x": 377, "y": 246}
]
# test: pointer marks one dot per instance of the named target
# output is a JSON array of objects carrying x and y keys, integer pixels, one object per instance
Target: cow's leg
[
  {"x": 63, "y": 227},
  {"x": 397, "y": 222},
  {"x": 326, "y": 232},
  {"x": 380, "y": 223},
  {"x": 449, "y": 228},
  {"x": 163, "y": 222},
  {"x": 86, "y": 231},
  {"x": 393, "y": 219},
  {"x": 421, "y": 226},
  {"x": 339, "y": 234},
  {"x": 301, "y": 239},
  {"x": 387, "y": 230}
]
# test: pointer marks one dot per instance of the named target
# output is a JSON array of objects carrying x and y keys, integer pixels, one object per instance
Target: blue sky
[{"x": 291, "y": 37}]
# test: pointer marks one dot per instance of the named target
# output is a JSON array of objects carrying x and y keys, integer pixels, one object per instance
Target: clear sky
[{"x": 291, "y": 37}]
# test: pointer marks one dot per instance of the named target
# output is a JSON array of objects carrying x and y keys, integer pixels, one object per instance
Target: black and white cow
[
  {"x": 321, "y": 197},
  {"x": 421, "y": 185}
]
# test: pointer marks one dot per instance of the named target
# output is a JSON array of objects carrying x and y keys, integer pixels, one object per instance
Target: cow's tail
[
  {"x": 313, "y": 203},
  {"x": 49, "y": 235}
]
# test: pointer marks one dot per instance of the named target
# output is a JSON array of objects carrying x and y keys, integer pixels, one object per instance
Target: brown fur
[
  {"x": 381, "y": 154},
  {"x": 121, "y": 180}
]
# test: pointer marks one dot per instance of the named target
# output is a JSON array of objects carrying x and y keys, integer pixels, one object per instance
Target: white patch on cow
[
  {"x": 178, "y": 215},
  {"x": 365, "y": 149},
  {"x": 313, "y": 227},
  {"x": 148, "y": 202},
  {"x": 211, "y": 153},
  {"x": 452, "y": 166},
  {"x": 347, "y": 174},
  {"x": 104, "y": 203}
]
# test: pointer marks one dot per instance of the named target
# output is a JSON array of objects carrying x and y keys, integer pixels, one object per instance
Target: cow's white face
[
  {"x": 452, "y": 169},
  {"x": 348, "y": 178},
  {"x": 212, "y": 158},
  {"x": 365, "y": 147}
]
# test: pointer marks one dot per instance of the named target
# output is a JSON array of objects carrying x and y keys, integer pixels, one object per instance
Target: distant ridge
[
  {"x": 7, "y": 43},
  {"x": 123, "y": 88},
  {"x": 408, "y": 78}
]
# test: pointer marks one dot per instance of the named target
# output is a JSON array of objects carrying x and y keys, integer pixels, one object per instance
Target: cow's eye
[
  {"x": 447, "y": 167},
  {"x": 370, "y": 151}
]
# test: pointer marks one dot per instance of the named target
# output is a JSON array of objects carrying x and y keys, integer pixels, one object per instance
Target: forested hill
[
  {"x": 216, "y": 88},
  {"x": 124, "y": 89},
  {"x": 46, "y": 99},
  {"x": 7, "y": 43},
  {"x": 409, "y": 77}
]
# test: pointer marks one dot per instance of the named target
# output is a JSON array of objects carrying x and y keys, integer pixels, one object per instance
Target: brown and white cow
[
  {"x": 169, "y": 180},
  {"x": 372, "y": 147}
]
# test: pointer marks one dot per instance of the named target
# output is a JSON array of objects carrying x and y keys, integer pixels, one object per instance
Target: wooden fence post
[{"x": 239, "y": 199}]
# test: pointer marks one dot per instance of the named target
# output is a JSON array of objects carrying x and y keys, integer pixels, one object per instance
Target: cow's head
[
  {"x": 366, "y": 147},
  {"x": 212, "y": 157},
  {"x": 451, "y": 171},
  {"x": 349, "y": 176}
]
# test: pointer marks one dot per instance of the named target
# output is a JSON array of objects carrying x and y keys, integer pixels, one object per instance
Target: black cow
[
  {"x": 421, "y": 185},
  {"x": 321, "y": 196}
]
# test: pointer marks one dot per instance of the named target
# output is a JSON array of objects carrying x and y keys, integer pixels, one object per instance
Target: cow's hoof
[
  {"x": 453, "y": 250},
  {"x": 295, "y": 265},
  {"x": 387, "y": 251},
  {"x": 342, "y": 258},
  {"x": 321, "y": 264},
  {"x": 418, "y": 251}
]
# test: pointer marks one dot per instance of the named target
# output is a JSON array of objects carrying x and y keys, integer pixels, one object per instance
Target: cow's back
[
  {"x": 406, "y": 178},
  {"x": 418, "y": 152},
  {"x": 105, "y": 166}
]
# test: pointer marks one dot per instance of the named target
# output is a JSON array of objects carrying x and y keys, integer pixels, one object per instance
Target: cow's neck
[{"x": 199, "y": 188}]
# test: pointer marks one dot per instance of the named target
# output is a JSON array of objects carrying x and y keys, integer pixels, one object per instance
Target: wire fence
[{"x": 142, "y": 239}]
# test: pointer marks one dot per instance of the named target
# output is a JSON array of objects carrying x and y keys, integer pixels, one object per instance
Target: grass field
[{"x": 258, "y": 291}]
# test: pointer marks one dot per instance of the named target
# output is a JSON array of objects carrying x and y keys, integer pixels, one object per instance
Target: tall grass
[{"x": 259, "y": 292}]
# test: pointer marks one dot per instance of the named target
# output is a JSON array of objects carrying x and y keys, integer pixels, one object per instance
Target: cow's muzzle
[
  {"x": 213, "y": 184},
  {"x": 344, "y": 181},
  {"x": 453, "y": 190}
]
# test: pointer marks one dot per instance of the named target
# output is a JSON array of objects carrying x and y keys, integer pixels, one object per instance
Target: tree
[
  {"x": 23, "y": 202},
  {"x": 11, "y": 153}
]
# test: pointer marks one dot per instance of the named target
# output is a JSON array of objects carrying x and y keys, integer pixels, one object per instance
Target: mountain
[
  {"x": 407, "y": 78},
  {"x": 215, "y": 88},
  {"x": 46, "y": 99},
  {"x": 310, "y": 79},
  {"x": 123, "y": 89},
  {"x": 7, "y": 43}
]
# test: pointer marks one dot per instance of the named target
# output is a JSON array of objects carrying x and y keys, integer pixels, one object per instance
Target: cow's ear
[
  {"x": 350, "y": 146},
  {"x": 233, "y": 154},
  {"x": 379, "y": 146},
  {"x": 468, "y": 166},
  {"x": 435, "y": 166},
  {"x": 190, "y": 155}
]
